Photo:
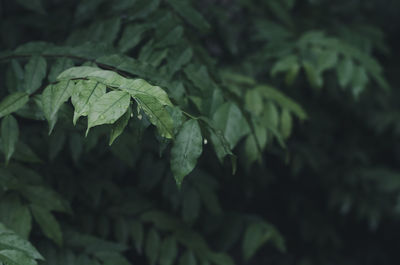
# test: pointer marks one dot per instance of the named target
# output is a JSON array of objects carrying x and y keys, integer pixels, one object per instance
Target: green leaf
[
  {"x": 24, "y": 153},
  {"x": 253, "y": 101},
  {"x": 314, "y": 77},
  {"x": 168, "y": 251},
  {"x": 286, "y": 124},
  {"x": 12, "y": 103},
  {"x": 191, "y": 15},
  {"x": 47, "y": 222},
  {"x": 281, "y": 99},
  {"x": 119, "y": 126},
  {"x": 152, "y": 247},
  {"x": 187, "y": 148},
  {"x": 53, "y": 97},
  {"x": 179, "y": 58},
  {"x": 35, "y": 72},
  {"x": 15, "y": 215},
  {"x": 137, "y": 87},
  {"x": 85, "y": 93},
  {"x": 271, "y": 115},
  {"x": 284, "y": 64},
  {"x": 345, "y": 70},
  {"x": 157, "y": 114},
  {"x": 256, "y": 235},
  {"x": 108, "y": 108},
  {"x": 10, "y": 241},
  {"x": 14, "y": 257},
  {"x": 359, "y": 81},
  {"x": 131, "y": 37},
  {"x": 231, "y": 121},
  {"x": 9, "y": 135}
]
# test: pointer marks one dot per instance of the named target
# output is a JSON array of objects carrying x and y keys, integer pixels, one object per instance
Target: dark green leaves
[
  {"x": 187, "y": 148},
  {"x": 15, "y": 250},
  {"x": 229, "y": 119},
  {"x": 9, "y": 135},
  {"x": 35, "y": 71},
  {"x": 13, "y": 102},
  {"x": 48, "y": 223}
]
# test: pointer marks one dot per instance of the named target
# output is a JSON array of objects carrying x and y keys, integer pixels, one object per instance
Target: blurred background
[{"x": 326, "y": 181}]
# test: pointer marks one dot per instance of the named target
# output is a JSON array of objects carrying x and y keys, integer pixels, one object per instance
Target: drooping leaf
[
  {"x": 359, "y": 80},
  {"x": 286, "y": 124},
  {"x": 157, "y": 114},
  {"x": 35, "y": 71},
  {"x": 9, "y": 135},
  {"x": 53, "y": 97},
  {"x": 12, "y": 103},
  {"x": 119, "y": 126},
  {"x": 85, "y": 93},
  {"x": 108, "y": 108},
  {"x": 345, "y": 71},
  {"x": 152, "y": 247},
  {"x": 187, "y": 148},
  {"x": 48, "y": 223}
]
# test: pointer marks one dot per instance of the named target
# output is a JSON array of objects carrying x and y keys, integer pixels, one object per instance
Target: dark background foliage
[{"x": 328, "y": 194}]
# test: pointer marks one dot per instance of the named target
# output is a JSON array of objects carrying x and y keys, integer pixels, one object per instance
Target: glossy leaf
[{"x": 187, "y": 148}]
